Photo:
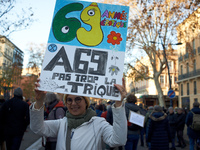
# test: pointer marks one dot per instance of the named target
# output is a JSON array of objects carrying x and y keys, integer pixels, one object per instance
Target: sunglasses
[{"x": 76, "y": 99}]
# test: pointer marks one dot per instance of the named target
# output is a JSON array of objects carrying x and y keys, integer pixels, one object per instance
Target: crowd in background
[{"x": 163, "y": 128}]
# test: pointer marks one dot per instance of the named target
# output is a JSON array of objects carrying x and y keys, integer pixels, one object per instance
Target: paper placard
[
  {"x": 136, "y": 118},
  {"x": 86, "y": 49}
]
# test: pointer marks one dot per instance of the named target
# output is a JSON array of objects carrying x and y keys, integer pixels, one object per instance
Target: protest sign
[
  {"x": 86, "y": 49},
  {"x": 136, "y": 118}
]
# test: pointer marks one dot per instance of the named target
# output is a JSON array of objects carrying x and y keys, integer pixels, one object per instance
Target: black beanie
[{"x": 18, "y": 92}]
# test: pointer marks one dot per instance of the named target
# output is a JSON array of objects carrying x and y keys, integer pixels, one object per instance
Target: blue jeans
[
  {"x": 132, "y": 141},
  {"x": 142, "y": 136},
  {"x": 192, "y": 141}
]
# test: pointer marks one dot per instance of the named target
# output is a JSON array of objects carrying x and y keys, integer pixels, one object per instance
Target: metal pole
[{"x": 171, "y": 102}]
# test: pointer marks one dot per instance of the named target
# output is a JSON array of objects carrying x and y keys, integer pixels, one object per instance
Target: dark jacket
[
  {"x": 146, "y": 121},
  {"x": 109, "y": 116},
  {"x": 132, "y": 107},
  {"x": 189, "y": 119},
  {"x": 172, "y": 124},
  {"x": 15, "y": 116},
  {"x": 180, "y": 121},
  {"x": 158, "y": 132}
]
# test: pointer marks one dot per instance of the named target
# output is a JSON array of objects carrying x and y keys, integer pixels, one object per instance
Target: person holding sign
[
  {"x": 80, "y": 129},
  {"x": 133, "y": 128},
  {"x": 158, "y": 130}
]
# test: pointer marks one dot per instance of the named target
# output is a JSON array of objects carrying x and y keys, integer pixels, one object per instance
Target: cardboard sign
[
  {"x": 136, "y": 118},
  {"x": 86, "y": 49}
]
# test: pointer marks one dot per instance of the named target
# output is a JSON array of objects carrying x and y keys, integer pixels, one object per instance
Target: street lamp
[{"x": 170, "y": 86}]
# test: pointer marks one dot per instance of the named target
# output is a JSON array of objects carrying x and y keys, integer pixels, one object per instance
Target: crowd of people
[{"x": 74, "y": 123}]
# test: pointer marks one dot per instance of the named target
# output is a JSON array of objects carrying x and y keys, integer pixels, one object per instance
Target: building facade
[
  {"x": 146, "y": 90},
  {"x": 189, "y": 61},
  {"x": 11, "y": 64}
]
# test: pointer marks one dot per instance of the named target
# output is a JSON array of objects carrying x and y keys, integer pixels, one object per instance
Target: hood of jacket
[{"x": 158, "y": 116}]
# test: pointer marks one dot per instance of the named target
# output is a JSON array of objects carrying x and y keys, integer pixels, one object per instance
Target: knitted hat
[
  {"x": 87, "y": 100},
  {"x": 18, "y": 92}
]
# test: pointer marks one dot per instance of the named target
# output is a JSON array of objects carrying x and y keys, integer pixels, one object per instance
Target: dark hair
[
  {"x": 131, "y": 98},
  {"x": 100, "y": 107}
]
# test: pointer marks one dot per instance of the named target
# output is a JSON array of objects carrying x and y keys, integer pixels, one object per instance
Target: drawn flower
[
  {"x": 114, "y": 38},
  {"x": 113, "y": 69}
]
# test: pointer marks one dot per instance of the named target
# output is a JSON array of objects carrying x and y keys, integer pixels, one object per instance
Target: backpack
[
  {"x": 196, "y": 122},
  {"x": 64, "y": 108}
]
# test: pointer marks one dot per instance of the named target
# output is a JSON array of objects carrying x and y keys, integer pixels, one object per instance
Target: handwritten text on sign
[{"x": 86, "y": 49}]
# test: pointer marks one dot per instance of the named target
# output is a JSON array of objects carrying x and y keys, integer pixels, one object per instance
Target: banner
[{"x": 86, "y": 49}]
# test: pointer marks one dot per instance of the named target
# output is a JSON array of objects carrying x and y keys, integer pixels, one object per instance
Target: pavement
[
  {"x": 185, "y": 137},
  {"x": 32, "y": 141}
]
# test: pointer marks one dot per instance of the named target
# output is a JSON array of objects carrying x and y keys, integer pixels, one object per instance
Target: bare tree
[
  {"x": 13, "y": 18},
  {"x": 36, "y": 56},
  {"x": 152, "y": 27}
]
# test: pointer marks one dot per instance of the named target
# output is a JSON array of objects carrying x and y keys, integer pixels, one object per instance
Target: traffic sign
[{"x": 171, "y": 93}]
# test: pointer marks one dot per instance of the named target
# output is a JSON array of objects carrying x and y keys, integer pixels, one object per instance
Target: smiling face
[{"x": 77, "y": 106}]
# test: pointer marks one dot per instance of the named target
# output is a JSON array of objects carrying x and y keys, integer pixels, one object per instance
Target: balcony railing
[
  {"x": 7, "y": 56},
  {"x": 190, "y": 74},
  {"x": 186, "y": 56}
]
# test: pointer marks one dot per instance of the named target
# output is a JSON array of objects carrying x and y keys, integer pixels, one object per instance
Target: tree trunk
[{"x": 160, "y": 92}]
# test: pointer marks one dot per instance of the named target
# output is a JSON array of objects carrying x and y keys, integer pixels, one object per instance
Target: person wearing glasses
[{"x": 81, "y": 128}]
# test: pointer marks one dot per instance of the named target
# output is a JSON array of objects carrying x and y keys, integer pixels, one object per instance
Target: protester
[
  {"x": 55, "y": 110},
  {"x": 180, "y": 124},
  {"x": 15, "y": 118},
  {"x": 81, "y": 129},
  {"x": 133, "y": 130},
  {"x": 104, "y": 113},
  {"x": 142, "y": 131},
  {"x": 2, "y": 138},
  {"x": 28, "y": 102},
  {"x": 99, "y": 109},
  {"x": 158, "y": 132},
  {"x": 150, "y": 110},
  {"x": 172, "y": 125},
  {"x": 109, "y": 119},
  {"x": 109, "y": 116},
  {"x": 192, "y": 134}
]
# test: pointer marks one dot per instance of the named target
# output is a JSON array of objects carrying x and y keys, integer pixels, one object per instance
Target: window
[
  {"x": 193, "y": 43},
  {"x": 170, "y": 65},
  {"x": 162, "y": 79},
  {"x": 181, "y": 89},
  {"x": 187, "y": 68},
  {"x": 196, "y": 99},
  {"x": 188, "y": 89},
  {"x": 194, "y": 65},
  {"x": 195, "y": 87},
  {"x": 181, "y": 69}
]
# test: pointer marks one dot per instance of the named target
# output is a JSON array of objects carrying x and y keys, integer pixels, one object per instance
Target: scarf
[{"x": 75, "y": 121}]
